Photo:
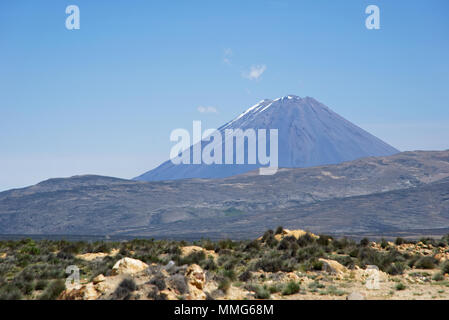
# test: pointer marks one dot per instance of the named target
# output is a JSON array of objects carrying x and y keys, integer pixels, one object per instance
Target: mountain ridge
[{"x": 294, "y": 196}]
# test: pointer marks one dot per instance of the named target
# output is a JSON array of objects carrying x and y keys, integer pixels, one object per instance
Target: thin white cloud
[
  {"x": 227, "y": 56},
  {"x": 203, "y": 109},
  {"x": 255, "y": 72}
]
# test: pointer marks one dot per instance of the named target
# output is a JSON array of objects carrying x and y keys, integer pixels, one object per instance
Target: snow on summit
[{"x": 309, "y": 134}]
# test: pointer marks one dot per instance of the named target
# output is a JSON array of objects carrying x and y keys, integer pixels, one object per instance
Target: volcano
[{"x": 309, "y": 134}]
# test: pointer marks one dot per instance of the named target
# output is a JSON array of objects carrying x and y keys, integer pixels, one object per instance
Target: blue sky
[{"x": 104, "y": 99}]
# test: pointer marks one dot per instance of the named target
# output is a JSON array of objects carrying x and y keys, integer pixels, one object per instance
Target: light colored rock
[
  {"x": 295, "y": 233},
  {"x": 441, "y": 257},
  {"x": 128, "y": 266},
  {"x": 196, "y": 294},
  {"x": 195, "y": 276},
  {"x": 196, "y": 281},
  {"x": 102, "y": 287},
  {"x": 363, "y": 274},
  {"x": 169, "y": 295},
  {"x": 90, "y": 293},
  {"x": 96, "y": 255},
  {"x": 292, "y": 276},
  {"x": 3, "y": 255},
  {"x": 98, "y": 279},
  {"x": 92, "y": 256},
  {"x": 185, "y": 251},
  {"x": 85, "y": 292},
  {"x": 333, "y": 267}
]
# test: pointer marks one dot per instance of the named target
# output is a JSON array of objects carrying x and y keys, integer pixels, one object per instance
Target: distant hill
[
  {"x": 310, "y": 134},
  {"x": 405, "y": 192}
]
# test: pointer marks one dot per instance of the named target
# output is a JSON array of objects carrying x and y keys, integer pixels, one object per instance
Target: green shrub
[
  {"x": 346, "y": 261},
  {"x": 269, "y": 239},
  {"x": 310, "y": 252},
  {"x": 10, "y": 292},
  {"x": 364, "y": 242},
  {"x": 313, "y": 265},
  {"x": 230, "y": 263},
  {"x": 413, "y": 260},
  {"x": 306, "y": 240},
  {"x": 102, "y": 247},
  {"x": 159, "y": 281},
  {"x": 400, "y": 286},
  {"x": 28, "y": 288},
  {"x": 53, "y": 290},
  {"x": 279, "y": 230},
  {"x": 342, "y": 243},
  {"x": 230, "y": 274},
  {"x": 396, "y": 268},
  {"x": 125, "y": 289},
  {"x": 209, "y": 264},
  {"x": 369, "y": 256},
  {"x": 384, "y": 244},
  {"x": 428, "y": 241},
  {"x": 41, "y": 284},
  {"x": 324, "y": 240},
  {"x": 438, "y": 276},
  {"x": 316, "y": 285},
  {"x": 286, "y": 243},
  {"x": 252, "y": 245},
  {"x": 245, "y": 276},
  {"x": 267, "y": 234},
  {"x": 178, "y": 281},
  {"x": 262, "y": 292},
  {"x": 273, "y": 263},
  {"x": 445, "y": 239},
  {"x": 426, "y": 263},
  {"x": 291, "y": 288},
  {"x": 195, "y": 257},
  {"x": 354, "y": 253},
  {"x": 334, "y": 291},
  {"x": 224, "y": 284},
  {"x": 445, "y": 267},
  {"x": 31, "y": 249},
  {"x": 226, "y": 244},
  {"x": 278, "y": 287}
]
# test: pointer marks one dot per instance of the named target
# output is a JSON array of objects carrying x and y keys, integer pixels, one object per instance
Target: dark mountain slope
[{"x": 103, "y": 205}]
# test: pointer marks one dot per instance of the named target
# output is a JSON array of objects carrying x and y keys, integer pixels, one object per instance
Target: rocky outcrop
[
  {"x": 294, "y": 233},
  {"x": 98, "y": 279},
  {"x": 84, "y": 292},
  {"x": 196, "y": 279},
  {"x": 128, "y": 266},
  {"x": 333, "y": 267},
  {"x": 187, "y": 250},
  {"x": 142, "y": 281},
  {"x": 196, "y": 276},
  {"x": 96, "y": 255}
]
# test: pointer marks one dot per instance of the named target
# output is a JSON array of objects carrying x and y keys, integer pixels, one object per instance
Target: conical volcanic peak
[{"x": 309, "y": 134}]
